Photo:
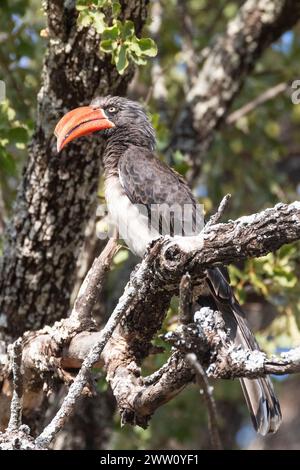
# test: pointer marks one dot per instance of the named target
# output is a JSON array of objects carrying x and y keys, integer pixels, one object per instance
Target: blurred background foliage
[{"x": 256, "y": 159}]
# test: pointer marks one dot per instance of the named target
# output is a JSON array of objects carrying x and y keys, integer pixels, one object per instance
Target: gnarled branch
[{"x": 123, "y": 346}]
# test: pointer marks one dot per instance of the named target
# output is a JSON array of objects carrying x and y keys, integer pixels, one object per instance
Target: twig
[
  {"x": 68, "y": 405},
  {"x": 261, "y": 99},
  {"x": 221, "y": 209},
  {"x": 209, "y": 399},
  {"x": 92, "y": 284},
  {"x": 185, "y": 299},
  {"x": 15, "y": 419}
]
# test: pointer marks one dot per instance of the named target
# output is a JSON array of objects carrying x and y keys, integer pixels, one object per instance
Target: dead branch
[
  {"x": 251, "y": 236},
  {"x": 206, "y": 389},
  {"x": 15, "y": 420},
  {"x": 92, "y": 285},
  {"x": 67, "y": 407},
  {"x": 122, "y": 345},
  {"x": 267, "y": 95},
  {"x": 185, "y": 299},
  {"x": 209, "y": 340},
  {"x": 45, "y": 351},
  {"x": 221, "y": 209}
]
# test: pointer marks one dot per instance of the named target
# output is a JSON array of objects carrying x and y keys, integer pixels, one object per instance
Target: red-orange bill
[{"x": 78, "y": 122}]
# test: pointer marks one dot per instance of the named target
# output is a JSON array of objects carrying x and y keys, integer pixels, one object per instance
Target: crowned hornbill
[{"x": 135, "y": 179}]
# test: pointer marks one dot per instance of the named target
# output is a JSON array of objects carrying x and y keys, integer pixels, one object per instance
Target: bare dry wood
[
  {"x": 206, "y": 390},
  {"x": 251, "y": 236},
  {"x": 15, "y": 420},
  {"x": 126, "y": 339}
]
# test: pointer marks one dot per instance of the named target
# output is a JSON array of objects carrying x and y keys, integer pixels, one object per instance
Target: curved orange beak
[{"x": 78, "y": 122}]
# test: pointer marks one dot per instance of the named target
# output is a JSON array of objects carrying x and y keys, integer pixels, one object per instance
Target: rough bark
[
  {"x": 229, "y": 61},
  {"x": 126, "y": 339},
  {"x": 251, "y": 236},
  {"x": 57, "y": 193}
]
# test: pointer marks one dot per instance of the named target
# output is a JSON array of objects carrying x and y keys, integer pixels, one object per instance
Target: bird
[{"x": 139, "y": 189}]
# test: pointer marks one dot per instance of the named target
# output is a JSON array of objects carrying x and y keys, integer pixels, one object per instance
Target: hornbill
[{"x": 135, "y": 179}]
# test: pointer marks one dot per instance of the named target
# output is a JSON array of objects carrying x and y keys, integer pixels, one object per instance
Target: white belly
[{"x": 131, "y": 220}]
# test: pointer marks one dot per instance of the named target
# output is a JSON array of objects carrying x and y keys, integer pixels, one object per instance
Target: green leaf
[
  {"x": 147, "y": 46},
  {"x": 98, "y": 21},
  {"x": 107, "y": 45},
  {"x": 81, "y": 7},
  {"x": 230, "y": 10},
  {"x": 116, "y": 9},
  {"x": 119, "y": 39},
  {"x": 11, "y": 114},
  {"x": 137, "y": 60},
  {"x": 7, "y": 162},
  {"x": 128, "y": 30},
  {"x": 134, "y": 47},
  {"x": 286, "y": 279},
  {"x": 4, "y": 141},
  {"x": 272, "y": 129},
  {"x": 18, "y": 135},
  {"x": 102, "y": 3},
  {"x": 112, "y": 33},
  {"x": 84, "y": 19},
  {"x": 121, "y": 59}
]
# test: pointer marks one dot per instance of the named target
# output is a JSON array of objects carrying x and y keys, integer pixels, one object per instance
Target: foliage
[
  {"x": 119, "y": 40},
  {"x": 20, "y": 64},
  {"x": 14, "y": 136}
]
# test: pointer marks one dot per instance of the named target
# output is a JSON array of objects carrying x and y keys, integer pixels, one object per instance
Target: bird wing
[
  {"x": 148, "y": 181},
  {"x": 153, "y": 185}
]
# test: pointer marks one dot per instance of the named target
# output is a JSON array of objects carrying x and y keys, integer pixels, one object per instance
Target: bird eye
[{"x": 112, "y": 109}]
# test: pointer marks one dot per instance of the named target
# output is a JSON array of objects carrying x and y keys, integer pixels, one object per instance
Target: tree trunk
[{"x": 57, "y": 193}]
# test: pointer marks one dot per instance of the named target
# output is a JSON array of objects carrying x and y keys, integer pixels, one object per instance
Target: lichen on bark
[{"x": 57, "y": 193}]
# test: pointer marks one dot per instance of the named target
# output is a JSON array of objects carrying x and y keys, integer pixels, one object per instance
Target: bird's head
[{"x": 112, "y": 116}]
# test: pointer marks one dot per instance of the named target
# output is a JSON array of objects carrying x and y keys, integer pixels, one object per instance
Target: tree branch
[
  {"x": 93, "y": 284},
  {"x": 251, "y": 236},
  {"x": 257, "y": 24},
  {"x": 221, "y": 209},
  {"x": 222, "y": 359},
  {"x": 209, "y": 400},
  {"x": 67, "y": 407},
  {"x": 15, "y": 420},
  {"x": 122, "y": 345},
  {"x": 267, "y": 95}
]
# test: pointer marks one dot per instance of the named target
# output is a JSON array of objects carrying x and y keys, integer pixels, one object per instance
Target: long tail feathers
[
  {"x": 260, "y": 397},
  {"x": 263, "y": 405}
]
